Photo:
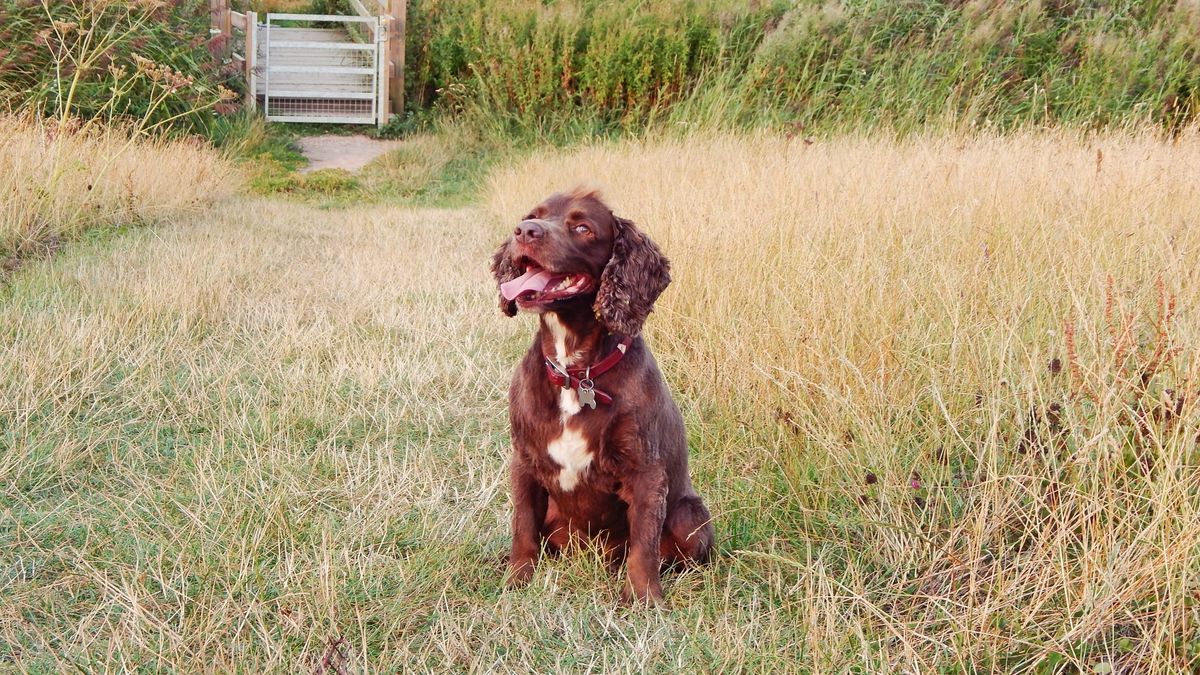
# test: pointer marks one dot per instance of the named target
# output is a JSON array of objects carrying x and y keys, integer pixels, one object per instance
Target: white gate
[{"x": 322, "y": 72}]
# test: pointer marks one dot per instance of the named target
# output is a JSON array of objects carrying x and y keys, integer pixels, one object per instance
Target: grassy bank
[
  {"x": 934, "y": 435},
  {"x": 523, "y": 72},
  {"x": 61, "y": 180},
  {"x": 574, "y": 68}
]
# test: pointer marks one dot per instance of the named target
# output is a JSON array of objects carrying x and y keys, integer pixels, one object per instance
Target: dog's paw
[
  {"x": 651, "y": 596},
  {"x": 519, "y": 573}
]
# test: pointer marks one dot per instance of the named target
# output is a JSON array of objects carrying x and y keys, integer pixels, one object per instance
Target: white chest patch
[
  {"x": 568, "y": 400},
  {"x": 570, "y": 451},
  {"x": 559, "y": 331}
]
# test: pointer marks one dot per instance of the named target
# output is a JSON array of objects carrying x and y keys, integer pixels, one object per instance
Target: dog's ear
[
  {"x": 635, "y": 275},
  {"x": 504, "y": 270}
]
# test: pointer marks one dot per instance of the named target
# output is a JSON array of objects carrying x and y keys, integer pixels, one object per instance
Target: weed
[{"x": 149, "y": 63}]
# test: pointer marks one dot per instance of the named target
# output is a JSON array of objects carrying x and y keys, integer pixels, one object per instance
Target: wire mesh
[{"x": 316, "y": 71}]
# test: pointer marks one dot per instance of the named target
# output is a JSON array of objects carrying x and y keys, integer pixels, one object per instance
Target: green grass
[
  {"x": 576, "y": 68},
  {"x": 271, "y": 428},
  {"x": 444, "y": 168},
  {"x": 525, "y": 71},
  {"x": 234, "y": 441}
]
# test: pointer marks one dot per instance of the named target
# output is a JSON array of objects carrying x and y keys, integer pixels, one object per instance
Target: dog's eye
[{"x": 583, "y": 229}]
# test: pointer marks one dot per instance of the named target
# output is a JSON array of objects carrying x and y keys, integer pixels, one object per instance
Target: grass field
[{"x": 941, "y": 394}]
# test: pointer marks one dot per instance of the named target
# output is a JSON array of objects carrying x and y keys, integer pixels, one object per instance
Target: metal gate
[{"x": 322, "y": 68}]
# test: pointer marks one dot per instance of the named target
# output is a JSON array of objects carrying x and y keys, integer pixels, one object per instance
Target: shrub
[
  {"x": 911, "y": 64},
  {"x": 101, "y": 59},
  {"x": 529, "y": 66}
]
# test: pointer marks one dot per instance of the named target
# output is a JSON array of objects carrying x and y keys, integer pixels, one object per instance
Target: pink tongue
[{"x": 534, "y": 280}]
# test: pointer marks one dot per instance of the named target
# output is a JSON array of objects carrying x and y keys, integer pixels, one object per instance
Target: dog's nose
[{"x": 529, "y": 231}]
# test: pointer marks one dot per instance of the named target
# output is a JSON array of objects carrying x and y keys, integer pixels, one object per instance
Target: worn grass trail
[{"x": 231, "y": 442}]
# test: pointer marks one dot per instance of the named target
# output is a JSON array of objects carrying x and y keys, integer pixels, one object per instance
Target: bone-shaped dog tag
[{"x": 586, "y": 393}]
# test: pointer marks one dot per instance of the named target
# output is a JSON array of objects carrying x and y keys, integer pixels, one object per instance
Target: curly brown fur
[
  {"x": 504, "y": 270},
  {"x": 635, "y": 276}
]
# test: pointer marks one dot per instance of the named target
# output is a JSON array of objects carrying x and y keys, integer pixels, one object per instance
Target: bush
[
  {"x": 149, "y": 62},
  {"x": 911, "y": 64},
  {"x": 529, "y": 66}
]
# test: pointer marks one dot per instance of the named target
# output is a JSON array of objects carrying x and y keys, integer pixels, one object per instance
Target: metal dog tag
[{"x": 586, "y": 393}]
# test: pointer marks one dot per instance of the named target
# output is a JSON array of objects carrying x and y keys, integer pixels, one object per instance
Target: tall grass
[
  {"x": 911, "y": 65},
  {"x": 575, "y": 68},
  {"x": 570, "y": 69},
  {"x": 559, "y": 70},
  {"x": 964, "y": 369},
  {"x": 62, "y": 179}
]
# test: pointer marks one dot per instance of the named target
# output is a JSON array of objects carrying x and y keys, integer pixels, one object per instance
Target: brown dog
[{"x": 599, "y": 449}]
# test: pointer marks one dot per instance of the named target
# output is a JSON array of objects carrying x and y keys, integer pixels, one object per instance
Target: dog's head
[{"x": 572, "y": 249}]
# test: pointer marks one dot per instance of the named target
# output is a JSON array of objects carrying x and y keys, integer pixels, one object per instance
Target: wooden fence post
[
  {"x": 382, "y": 35},
  {"x": 214, "y": 15},
  {"x": 396, "y": 32},
  {"x": 218, "y": 14},
  {"x": 251, "y": 59}
]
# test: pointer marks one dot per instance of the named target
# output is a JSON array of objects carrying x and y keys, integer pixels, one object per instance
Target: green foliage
[
  {"x": 328, "y": 182},
  {"x": 443, "y": 169},
  {"x": 915, "y": 63},
  {"x": 149, "y": 62},
  {"x": 329, "y": 7},
  {"x": 527, "y": 66},
  {"x": 560, "y": 69}
]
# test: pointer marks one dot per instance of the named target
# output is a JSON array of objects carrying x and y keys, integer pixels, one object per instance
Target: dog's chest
[
  {"x": 572, "y": 454},
  {"x": 570, "y": 450}
]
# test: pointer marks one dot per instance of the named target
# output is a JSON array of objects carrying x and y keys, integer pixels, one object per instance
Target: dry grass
[
  {"x": 412, "y": 166},
  {"x": 230, "y": 444},
  {"x": 59, "y": 180},
  {"x": 966, "y": 368}
]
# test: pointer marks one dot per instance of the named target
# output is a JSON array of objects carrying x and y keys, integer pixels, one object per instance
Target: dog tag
[{"x": 586, "y": 393}]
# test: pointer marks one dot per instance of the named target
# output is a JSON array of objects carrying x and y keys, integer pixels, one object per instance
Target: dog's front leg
[
  {"x": 646, "y": 495},
  {"x": 529, "y": 512}
]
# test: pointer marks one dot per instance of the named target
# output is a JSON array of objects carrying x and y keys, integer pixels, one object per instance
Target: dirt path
[{"x": 350, "y": 153}]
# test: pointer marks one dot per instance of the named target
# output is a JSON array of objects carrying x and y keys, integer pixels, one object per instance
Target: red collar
[{"x": 581, "y": 379}]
